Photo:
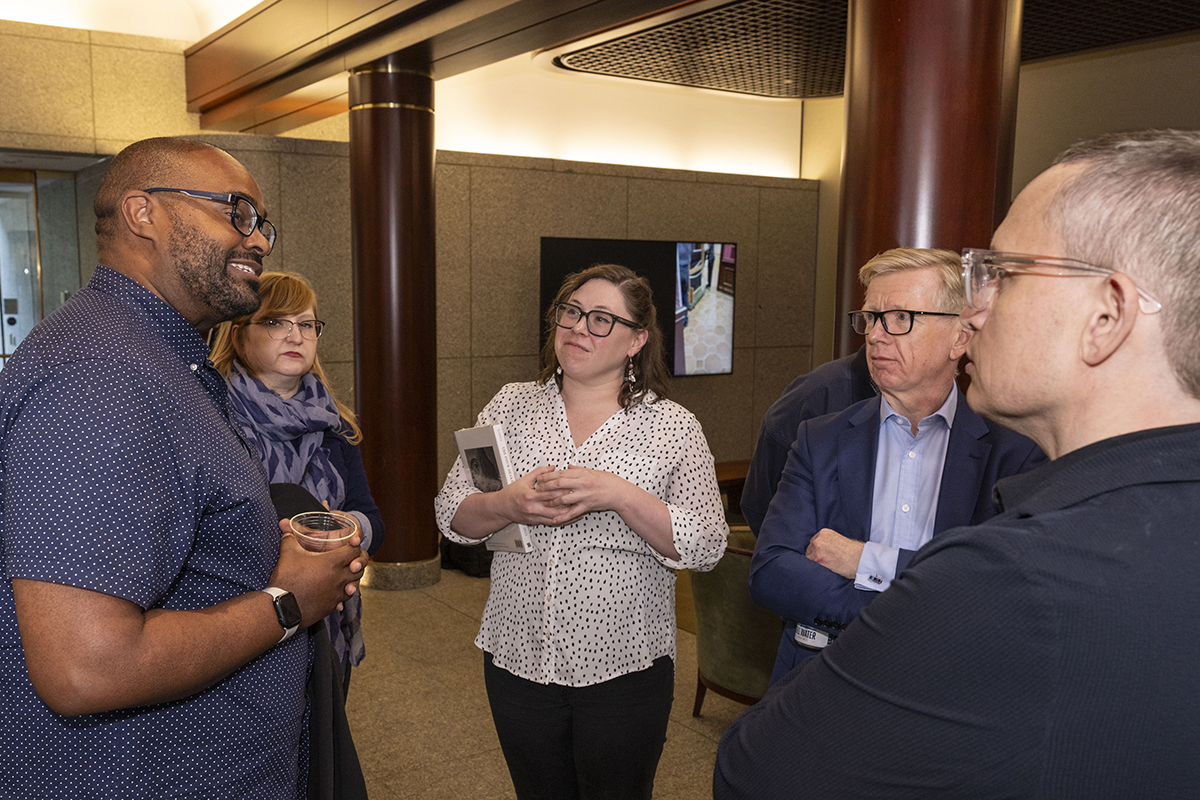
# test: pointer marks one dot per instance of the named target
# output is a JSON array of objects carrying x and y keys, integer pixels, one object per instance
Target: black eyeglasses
[
  {"x": 243, "y": 215},
  {"x": 599, "y": 323},
  {"x": 310, "y": 329},
  {"x": 897, "y": 321}
]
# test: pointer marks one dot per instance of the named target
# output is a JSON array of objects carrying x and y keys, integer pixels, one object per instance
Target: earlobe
[{"x": 1110, "y": 324}]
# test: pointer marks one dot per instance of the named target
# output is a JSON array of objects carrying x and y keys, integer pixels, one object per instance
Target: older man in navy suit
[{"x": 865, "y": 488}]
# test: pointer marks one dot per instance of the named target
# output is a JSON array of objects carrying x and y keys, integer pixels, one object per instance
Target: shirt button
[
  {"x": 911, "y": 454},
  {"x": 195, "y": 367},
  {"x": 904, "y": 508}
]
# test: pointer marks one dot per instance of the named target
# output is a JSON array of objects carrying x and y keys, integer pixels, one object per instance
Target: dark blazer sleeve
[
  {"x": 347, "y": 460},
  {"x": 770, "y": 458},
  {"x": 828, "y": 389},
  {"x": 826, "y": 484}
]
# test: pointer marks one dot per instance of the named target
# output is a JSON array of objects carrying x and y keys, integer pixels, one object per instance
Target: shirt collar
[
  {"x": 1135, "y": 457},
  {"x": 160, "y": 316},
  {"x": 946, "y": 412}
]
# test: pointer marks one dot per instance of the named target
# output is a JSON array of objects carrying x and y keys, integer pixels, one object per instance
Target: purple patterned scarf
[{"x": 288, "y": 435}]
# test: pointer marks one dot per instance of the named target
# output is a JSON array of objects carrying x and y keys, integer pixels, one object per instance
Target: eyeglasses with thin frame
[
  {"x": 243, "y": 215},
  {"x": 896, "y": 321},
  {"x": 310, "y": 329},
  {"x": 599, "y": 322},
  {"x": 983, "y": 269}
]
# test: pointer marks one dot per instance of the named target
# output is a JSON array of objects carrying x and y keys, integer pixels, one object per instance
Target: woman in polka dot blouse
[
  {"x": 279, "y": 397},
  {"x": 618, "y": 490}
]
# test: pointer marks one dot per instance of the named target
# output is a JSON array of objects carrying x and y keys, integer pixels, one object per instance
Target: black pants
[{"x": 589, "y": 742}]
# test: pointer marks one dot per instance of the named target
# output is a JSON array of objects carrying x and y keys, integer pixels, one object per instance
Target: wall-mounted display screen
[{"x": 693, "y": 285}]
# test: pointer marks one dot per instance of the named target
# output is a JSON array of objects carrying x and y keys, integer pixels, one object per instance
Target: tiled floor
[
  {"x": 708, "y": 335},
  {"x": 419, "y": 713}
]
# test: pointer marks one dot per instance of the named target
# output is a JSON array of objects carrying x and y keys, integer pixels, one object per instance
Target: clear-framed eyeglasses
[
  {"x": 599, "y": 323},
  {"x": 310, "y": 329},
  {"x": 242, "y": 215},
  {"x": 896, "y": 321},
  {"x": 982, "y": 271}
]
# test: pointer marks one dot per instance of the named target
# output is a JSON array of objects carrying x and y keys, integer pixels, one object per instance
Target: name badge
[{"x": 811, "y": 637}]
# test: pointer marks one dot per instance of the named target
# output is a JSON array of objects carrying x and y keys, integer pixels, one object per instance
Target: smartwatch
[{"x": 287, "y": 610}]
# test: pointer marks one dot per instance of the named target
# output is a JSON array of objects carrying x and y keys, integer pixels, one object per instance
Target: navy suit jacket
[{"x": 829, "y": 482}]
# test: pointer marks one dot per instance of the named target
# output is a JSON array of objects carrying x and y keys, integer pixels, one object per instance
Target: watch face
[{"x": 288, "y": 611}]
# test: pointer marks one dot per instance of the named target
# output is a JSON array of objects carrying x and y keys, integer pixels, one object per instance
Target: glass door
[{"x": 39, "y": 252}]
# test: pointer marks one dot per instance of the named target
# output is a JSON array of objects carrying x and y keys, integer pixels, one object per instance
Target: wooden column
[
  {"x": 931, "y": 96},
  {"x": 392, "y": 204}
]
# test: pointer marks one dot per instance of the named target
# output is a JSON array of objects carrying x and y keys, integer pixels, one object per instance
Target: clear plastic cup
[{"x": 319, "y": 531}]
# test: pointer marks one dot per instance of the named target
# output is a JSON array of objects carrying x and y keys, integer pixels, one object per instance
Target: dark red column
[
  {"x": 391, "y": 184},
  {"x": 931, "y": 95}
]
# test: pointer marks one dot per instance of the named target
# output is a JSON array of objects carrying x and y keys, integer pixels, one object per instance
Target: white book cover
[{"x": 484, "y": 452}]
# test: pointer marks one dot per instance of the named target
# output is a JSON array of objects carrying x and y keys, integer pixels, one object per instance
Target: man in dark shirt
[
  {"x": 829, "y": 388},
  {"x": 146, "y": 625},
  {"x": 1050, "y": 651}
]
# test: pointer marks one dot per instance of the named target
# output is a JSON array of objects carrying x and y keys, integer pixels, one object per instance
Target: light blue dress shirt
[{"x": 908, "y": 479}]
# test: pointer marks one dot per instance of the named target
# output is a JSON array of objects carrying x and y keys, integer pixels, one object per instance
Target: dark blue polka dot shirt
[{"x": 120, "y": 473}]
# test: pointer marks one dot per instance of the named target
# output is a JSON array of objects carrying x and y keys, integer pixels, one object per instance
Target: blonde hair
[
  {"x": 283, "y": 294},
  {"x": 951, "y": 296}
]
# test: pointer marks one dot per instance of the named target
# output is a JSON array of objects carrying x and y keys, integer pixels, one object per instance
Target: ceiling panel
[{"x": 797, "y": 48}]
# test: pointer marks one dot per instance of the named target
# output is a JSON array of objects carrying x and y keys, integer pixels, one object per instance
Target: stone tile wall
[{"x": 76, "y": 91}]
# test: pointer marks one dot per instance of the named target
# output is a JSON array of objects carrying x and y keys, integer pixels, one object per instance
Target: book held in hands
[{"x": 485, "y": 454}]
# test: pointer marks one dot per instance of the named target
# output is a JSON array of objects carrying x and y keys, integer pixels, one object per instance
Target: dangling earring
[
  {"x": 629, "y": 376},
  {"x": 558, "y": 370}
]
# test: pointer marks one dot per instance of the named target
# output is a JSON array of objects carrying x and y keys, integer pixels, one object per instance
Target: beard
[{"x": 203, "y": 268}]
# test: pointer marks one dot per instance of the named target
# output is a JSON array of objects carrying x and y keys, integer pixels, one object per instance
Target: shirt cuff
[{"x": 876, "y": 567}]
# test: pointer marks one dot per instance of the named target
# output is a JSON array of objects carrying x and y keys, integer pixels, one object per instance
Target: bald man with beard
[{"x": 147, "y": 619}]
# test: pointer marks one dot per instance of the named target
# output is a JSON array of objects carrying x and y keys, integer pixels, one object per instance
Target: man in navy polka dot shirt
[{"x": 146, "y": 644}]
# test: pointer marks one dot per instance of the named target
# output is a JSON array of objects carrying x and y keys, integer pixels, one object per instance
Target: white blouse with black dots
[{"x": 592, "y": 600}]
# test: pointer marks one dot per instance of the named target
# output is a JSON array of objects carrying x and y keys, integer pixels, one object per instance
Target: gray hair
[
  {"x": 951, "y": 296},
  {"x": 1134, "y": 206}
]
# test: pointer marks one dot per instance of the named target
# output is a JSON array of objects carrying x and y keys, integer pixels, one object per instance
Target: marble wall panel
[
  {"x": 774, "y": 369},
  {"x": 150, "y": 70},
  {"x": 341, "y": 379},
  {"x": 453, "y": 190},
  {"x": 511, "y": 210},
  {"x": 45, "y": 83},
  {"x": 488, "y": 375},
  {"x": 786, "y": 268},
  {"x": 454, "y": 408},
  {"x": 87, "y": 181},
  {"x": 724, "y": 406},
  {"x": 314, "y": 211}
]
